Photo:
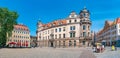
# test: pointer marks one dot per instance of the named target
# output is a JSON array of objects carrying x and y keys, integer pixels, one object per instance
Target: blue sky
[{"x": 48, "y": 10}]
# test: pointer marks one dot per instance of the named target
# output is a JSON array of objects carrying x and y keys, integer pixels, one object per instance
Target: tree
[{"x": 7, "y": 21}]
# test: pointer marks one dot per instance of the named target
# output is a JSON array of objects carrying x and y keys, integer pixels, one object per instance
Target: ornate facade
[{"x": 73, "y": 31}]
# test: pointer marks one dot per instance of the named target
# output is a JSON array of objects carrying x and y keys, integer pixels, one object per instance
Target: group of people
[{"x": 98, "y": 48}]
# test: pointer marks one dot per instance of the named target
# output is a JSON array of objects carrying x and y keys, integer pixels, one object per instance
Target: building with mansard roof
[{"x": 73, "y": 31}]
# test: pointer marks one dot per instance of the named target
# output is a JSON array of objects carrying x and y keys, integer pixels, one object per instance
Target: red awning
[{"x": 12, "y": 43}]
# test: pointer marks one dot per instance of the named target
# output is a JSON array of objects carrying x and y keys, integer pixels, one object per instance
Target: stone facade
[{"x": 73, "y": 31}]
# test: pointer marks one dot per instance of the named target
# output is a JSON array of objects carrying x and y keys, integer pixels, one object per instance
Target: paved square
[
  {"x": 57, "y": 53},
  {"x": 40, "y": 53}
]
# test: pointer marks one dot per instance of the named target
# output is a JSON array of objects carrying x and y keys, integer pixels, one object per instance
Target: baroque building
[
  {"x": 73, "y": 31},
  {"x": 20, "y": 36},
  {"x": 110, "y": 34}
]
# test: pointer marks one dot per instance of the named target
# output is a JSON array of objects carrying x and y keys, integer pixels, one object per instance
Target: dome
[
  {"x": 84, "y": 10},
  {"x": 73, "y": 13}
]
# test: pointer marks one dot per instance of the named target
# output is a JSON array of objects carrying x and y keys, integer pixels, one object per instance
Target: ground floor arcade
[{"x": 64, "y": 43}]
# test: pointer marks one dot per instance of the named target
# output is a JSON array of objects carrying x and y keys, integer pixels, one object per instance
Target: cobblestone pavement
[
  {"x": 40, "y": 53},
  {"x": 57, "y": 53},
  {"x": 108, "y": 53},
  {"x": 87, "y": 54}
]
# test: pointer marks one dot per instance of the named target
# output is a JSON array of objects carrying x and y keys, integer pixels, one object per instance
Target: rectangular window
[
  {"x": 55, "y": 36},
  {"x": 73, "y": 27},
  {"x": 70, "y": 35},
  {"x": 73, "y": 34},
  {"x": 59, "y": 35},
  {"x": 70, "y": 27},
  {"x": 69, "y": 21},
  {"x": 59, "y": 29},
  {"x": 55, "y": 30},
  {"x": 84, "y": 27},
  {"x": 115, "y": 26},
  {"x": 63, "y": 35},
  {"x": 75, "y": 20},
  {"x": 63, "y": 28},
  {"x": 84, "y": 34}
]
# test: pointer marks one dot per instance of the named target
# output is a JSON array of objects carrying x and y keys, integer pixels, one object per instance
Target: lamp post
[{"x": 94, "y": 37}]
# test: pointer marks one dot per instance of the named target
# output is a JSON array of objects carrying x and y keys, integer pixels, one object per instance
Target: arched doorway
[
  {"x": 70, "y": 43},
  {"x": 59, "y": 43},
  {"x": 63, "y": 43},
  {"x": 51, "y": 44}
]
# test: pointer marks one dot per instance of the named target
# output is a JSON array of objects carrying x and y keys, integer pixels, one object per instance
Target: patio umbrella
[{"x": 12, "y": 43}]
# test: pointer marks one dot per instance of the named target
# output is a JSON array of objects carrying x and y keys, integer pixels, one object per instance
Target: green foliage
[{"x": 7, "y": 21}]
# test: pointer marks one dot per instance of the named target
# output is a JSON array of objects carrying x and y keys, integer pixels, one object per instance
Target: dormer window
[{"x": 72, "y": 16}]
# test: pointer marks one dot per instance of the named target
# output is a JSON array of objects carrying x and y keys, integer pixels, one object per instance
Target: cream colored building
[
  {"x": 20, "y": 37},
  {"x": 73, "y": 31},
  {"x": 110, "y": 34}
]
